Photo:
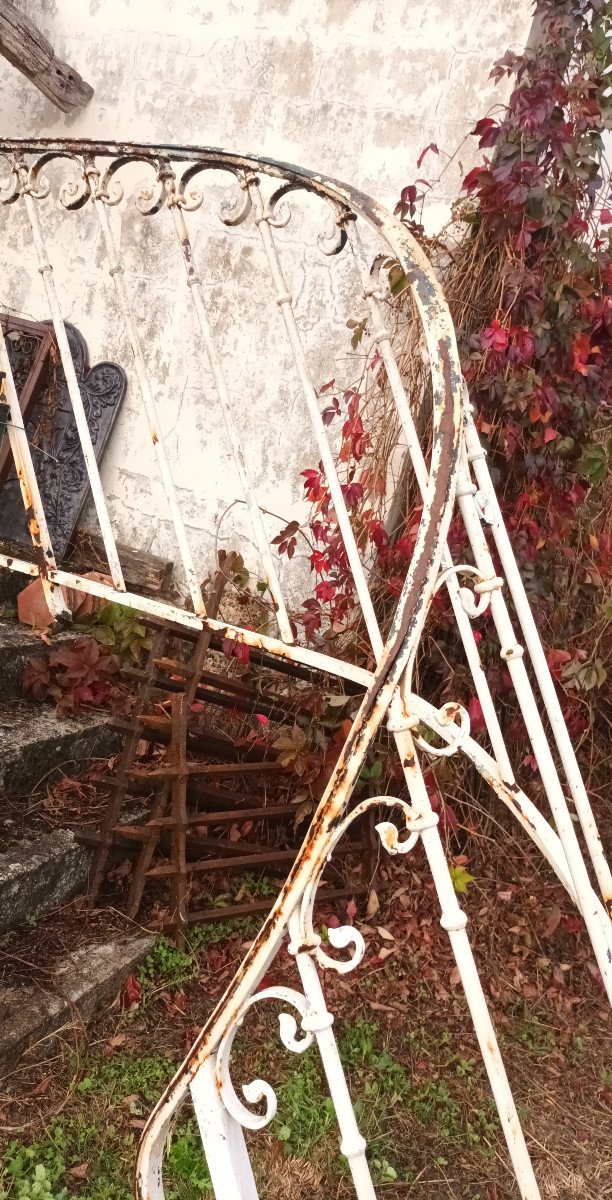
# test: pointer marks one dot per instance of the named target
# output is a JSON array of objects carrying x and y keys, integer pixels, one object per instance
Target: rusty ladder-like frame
[{"x": 457, "y": 470}]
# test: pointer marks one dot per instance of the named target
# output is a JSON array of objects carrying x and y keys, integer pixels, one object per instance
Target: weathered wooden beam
[
  {"x": 142, "y": 572},
  {"x": 28, "y": 50}
]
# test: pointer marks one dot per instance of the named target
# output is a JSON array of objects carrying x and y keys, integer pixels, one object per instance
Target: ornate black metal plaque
[{"x": 54, "y": 441}]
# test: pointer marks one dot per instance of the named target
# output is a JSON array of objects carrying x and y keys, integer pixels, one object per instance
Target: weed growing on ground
[
  {"x": 96, "y": 1149},
  {"x": 166, "y": 966},
  {"x": 202, "y": 936},
  {"x": 144, "y": 1077}
]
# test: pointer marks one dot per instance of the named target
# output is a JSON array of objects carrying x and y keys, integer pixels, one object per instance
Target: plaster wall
[{"x": 351, "y": 88}]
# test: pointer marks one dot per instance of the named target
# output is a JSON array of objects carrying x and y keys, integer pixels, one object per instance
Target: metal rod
[
  {"x": 28, "y": 485},
  {"x": 285, "y": 303},
  {"x": 89, "y": 455},
  {"x": 478, "y": 462},
  {"x": 169, "y": 612},
  {"x": 512, "y": 654},
  {"x": 382, "y": 338},
  {"x": 116, "y": 271},
  {"x": 195, "y": 287}
]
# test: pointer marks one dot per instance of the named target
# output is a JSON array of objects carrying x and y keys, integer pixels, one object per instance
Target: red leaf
[
  {"x": 262, "y": 719},
  {"x": 266, "y": 982},
  {"x": 487, "y": 130},
  {"x": 494, "y": 337},
  {"x": 572, "y": 924},
  {"x": 605, "y": 216},
  {"x": 581, "y": 348},
  {"x": 434, "y": 149},
  {"x": 476, "y": 715},
  {"x": 557, "y": 659},
  {"x": 472, "y": 179},
  {"x": 351, "y": 909},
  {"x": 550, "y": 434},
  {"x": 132, "y": 991}
]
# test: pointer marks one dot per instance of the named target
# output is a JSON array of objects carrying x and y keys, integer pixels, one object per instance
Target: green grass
[
  {"x": 98, "y": 1133},
  {"x": 144, "y": 1076},
  {"x": 168, "y": 967},
  {"x": 388, "y": 1100},
  {"x": 397, "y": 1108}
]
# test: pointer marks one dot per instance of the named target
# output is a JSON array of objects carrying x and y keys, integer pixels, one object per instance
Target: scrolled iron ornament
[
  {"x": 111, "y": 191},
  {"x": 152, "y": 197},
  {"x": 258, "y": 1090},
  {"x": 475, "y": 602},
  {"x": 276, "y": 209},
  {"x": 345, "y": 936},
  {"x": 33, "y": 182},
  {"x": 234, "y": 212},
  {"x": 190, "y": 198},
  {"x": 447, "y": 715},
  {"x": 11, "y": 191},
  {"x": 334, "y": 242}
]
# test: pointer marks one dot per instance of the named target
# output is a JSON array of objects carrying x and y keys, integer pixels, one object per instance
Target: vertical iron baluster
[
  {"x": 477, "y": 458},
  {"x": 285, "y": 303},
  {"x": 195, "y": 287},
  {"x": 115, "y": 270},
  {"x": 511, "y": 652},
  {"x": 46, "y": 271},
  {"x": 35, "y": 513}
]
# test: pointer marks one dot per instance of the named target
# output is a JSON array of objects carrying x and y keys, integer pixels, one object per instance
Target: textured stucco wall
[{"x": 352, "y": 88}]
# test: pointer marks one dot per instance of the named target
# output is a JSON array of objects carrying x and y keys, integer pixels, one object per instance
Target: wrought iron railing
[{"x": 457, "y": 470}]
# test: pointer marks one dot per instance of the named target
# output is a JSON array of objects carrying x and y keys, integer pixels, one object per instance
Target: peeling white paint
[{"x": 353, "y": 88}]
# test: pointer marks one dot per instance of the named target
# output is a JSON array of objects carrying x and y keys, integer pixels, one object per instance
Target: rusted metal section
[
  {"x": 35, "y": 516},
  {"x": 35, "y": 381},
  {"x": 134, "y": 733},
  {"x": 180, "y": 805}
]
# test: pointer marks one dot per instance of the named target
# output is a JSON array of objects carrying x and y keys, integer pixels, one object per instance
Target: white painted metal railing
[{"x": 457, "y": 468}]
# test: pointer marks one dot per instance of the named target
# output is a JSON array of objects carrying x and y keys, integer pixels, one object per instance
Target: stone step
[
  {"x": 11, "y": 582},
  {"x": 76, "y": 986},
  {"x": 40, "y": 873},
  {"x": 18, "y": 645},
  {"x": 35, "y": 741}
]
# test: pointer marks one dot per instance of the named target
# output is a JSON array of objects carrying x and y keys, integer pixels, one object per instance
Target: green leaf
[
  {"x": 593, "y": 464},
  {"x": 461, "y": 879},
  {"x": 376, "y": 770},
  {"x": 105, "y": 636},
  {"x": 398, "y": 281},
  {"x": 359, "y": 328}
]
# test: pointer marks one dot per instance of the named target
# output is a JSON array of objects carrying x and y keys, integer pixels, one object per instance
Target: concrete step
[
  {"x": 11, "y": 582},
  {"x": 35, "y": 741},
  {"x": 40, "y": 873},
  {"x": 75, "y": 987},
  {"x": 17, "y": 646}
]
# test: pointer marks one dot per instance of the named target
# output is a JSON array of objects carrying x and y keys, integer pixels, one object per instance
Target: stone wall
[{"x": 352, "y": 88}]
